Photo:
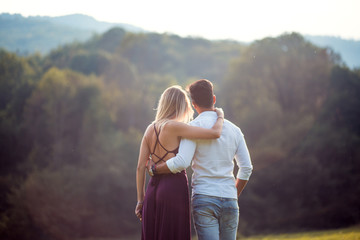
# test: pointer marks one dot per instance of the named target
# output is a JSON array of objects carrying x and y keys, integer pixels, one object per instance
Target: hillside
[
  {"x": 72, "y": 122},
  {"x": 85, "y": 22},
  {"x": 26, "y": 35},
  {"x": 348, "y": 49}
]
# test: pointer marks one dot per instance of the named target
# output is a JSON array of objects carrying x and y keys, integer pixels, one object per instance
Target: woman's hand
[
  {"x": 219, "y": 112},
  {"x": 138, "y": 210}
]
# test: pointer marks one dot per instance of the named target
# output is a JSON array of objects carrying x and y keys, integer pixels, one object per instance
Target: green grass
[
  {"x": 339, "y": 234},
  {"x": 352, "y": 233}
]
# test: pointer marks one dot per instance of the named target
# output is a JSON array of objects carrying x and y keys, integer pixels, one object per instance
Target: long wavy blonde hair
[{"x": 174, "y": 104}]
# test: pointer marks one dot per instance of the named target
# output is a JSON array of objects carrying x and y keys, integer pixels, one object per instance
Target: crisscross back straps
[{"x": 158, "y": 142}]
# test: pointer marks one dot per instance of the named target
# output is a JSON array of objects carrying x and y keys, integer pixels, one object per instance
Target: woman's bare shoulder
[
  {"x": 149, "y": 130},
  {"x": 150, "y": 126}
]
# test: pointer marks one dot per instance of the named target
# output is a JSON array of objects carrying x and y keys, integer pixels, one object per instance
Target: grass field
[{"x": 352, "y": 233}]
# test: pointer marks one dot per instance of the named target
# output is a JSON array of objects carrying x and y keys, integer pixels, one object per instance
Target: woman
[{"x": 164, "y": 209}]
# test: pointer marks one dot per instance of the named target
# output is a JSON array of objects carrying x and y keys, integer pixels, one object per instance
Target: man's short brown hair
[{"x": 201, "y": 93}]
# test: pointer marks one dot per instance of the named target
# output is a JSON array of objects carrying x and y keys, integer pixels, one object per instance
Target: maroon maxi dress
[{"x": 166, "y": 209}]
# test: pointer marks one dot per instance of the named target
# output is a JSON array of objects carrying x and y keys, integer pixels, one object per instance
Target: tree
[{"x": 59, "y": 119}]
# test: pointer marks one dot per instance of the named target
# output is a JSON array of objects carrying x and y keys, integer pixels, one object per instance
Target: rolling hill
[{"x": 26, "y": 35}]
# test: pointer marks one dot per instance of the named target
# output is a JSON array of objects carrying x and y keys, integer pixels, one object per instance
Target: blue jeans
[{"x": 215, "y": 218}]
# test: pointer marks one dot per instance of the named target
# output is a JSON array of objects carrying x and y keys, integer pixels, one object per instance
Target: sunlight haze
[{"x": 227, "y": 19}]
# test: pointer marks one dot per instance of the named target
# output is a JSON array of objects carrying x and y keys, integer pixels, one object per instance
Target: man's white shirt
[{"x": 213, "y": 160}]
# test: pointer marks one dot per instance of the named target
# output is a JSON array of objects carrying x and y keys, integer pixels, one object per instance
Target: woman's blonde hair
[{"x": 174, "y": 104}]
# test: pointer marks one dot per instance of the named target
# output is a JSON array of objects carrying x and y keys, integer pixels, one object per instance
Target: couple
[{"x": 210, "y": 143}]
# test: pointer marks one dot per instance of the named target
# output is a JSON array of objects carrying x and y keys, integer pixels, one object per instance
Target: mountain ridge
[
  {"x": 349, "y": 49},
  {"x": 88, "y": 23},
  {"x": 26, "y": 35}
]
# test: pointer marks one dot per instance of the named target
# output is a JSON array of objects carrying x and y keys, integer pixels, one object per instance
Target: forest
[{"x": 71, "y": 123}]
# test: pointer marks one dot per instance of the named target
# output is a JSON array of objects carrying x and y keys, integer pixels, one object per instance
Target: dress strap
[
  {"x": 158, "y": 142},
  {"x": 157, "y": 139}
]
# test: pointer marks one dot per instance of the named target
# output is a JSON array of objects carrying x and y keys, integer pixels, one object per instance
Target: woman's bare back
[{"x": 162, "y": 142}]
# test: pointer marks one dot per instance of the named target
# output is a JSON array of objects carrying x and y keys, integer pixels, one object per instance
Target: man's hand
[
  {"x": 240, "y": 185},
  {"x": 149, "y": 164}
]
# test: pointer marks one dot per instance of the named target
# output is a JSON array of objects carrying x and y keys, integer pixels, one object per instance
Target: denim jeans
[{"x": 214, "y": 217}]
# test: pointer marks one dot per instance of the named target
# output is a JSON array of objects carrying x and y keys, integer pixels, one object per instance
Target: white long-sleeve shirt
[{"x": 213, "y": 163}]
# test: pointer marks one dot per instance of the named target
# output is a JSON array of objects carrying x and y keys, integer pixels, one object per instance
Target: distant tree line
[{"x": 71, "y": 123}]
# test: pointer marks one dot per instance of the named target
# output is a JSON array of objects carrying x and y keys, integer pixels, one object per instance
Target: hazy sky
[{"x": 242, "y": 20}]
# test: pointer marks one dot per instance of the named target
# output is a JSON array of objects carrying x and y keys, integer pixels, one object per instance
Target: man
[{"x": 214, "y": 188}]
